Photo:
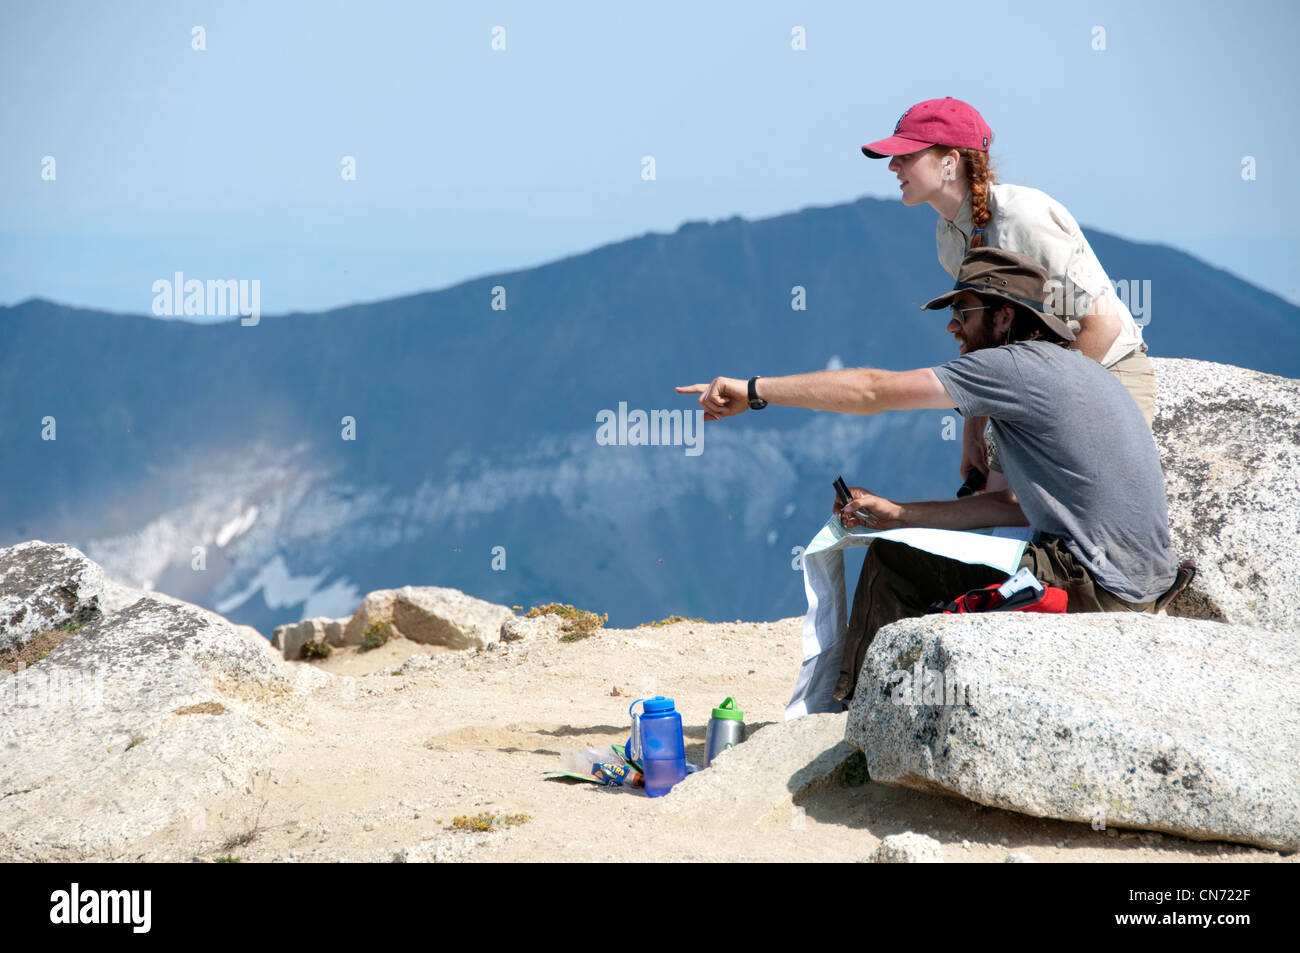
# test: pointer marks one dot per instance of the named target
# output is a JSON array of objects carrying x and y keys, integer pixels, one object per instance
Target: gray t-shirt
[{"x": 1079, "y": 456}]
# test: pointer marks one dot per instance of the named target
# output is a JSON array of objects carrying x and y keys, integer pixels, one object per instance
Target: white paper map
[
  {"x": 1000, "y": 546},
  {"x": 825, "y": 625}
]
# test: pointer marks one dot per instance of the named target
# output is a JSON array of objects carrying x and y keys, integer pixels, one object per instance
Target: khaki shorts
[{"x": 1137, "y": 375}]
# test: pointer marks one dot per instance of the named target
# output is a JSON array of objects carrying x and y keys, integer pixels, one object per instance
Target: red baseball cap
[{"x": 935, "y": 122}]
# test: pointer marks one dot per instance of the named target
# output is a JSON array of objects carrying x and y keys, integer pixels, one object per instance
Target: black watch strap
[{"x": 755, "y": 402}]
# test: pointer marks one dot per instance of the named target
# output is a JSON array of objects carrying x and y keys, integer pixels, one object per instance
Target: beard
[{"x": 980, "y": 336}]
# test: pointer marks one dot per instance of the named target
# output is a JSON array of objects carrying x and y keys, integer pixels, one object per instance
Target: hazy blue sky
[{"x": 225, "y": 163}]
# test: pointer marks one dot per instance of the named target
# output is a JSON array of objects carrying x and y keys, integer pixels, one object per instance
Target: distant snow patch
[
  {"x": 236, "y": 527},
  {"x": 339, "y": 598},
  {"x": 280, "y": 588}
]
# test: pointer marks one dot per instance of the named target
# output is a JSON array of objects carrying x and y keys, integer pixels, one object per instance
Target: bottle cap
[
  {"x": 728, "y": 711},
  {"x": 657, "y": 705}
]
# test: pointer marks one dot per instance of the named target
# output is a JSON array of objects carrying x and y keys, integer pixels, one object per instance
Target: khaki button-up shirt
[{"x": 1032, "y": 223}]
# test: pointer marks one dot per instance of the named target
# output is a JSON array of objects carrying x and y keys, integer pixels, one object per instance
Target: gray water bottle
[{"x": 726, "y": 729}]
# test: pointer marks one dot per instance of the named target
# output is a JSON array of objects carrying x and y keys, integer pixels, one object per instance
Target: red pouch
[
  {"x": 990, "y": 600},
  {"x": 1019, "y": 593}
]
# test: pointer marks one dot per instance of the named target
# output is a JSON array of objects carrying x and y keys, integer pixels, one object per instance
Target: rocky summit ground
[{"x": 404, "y": 740}]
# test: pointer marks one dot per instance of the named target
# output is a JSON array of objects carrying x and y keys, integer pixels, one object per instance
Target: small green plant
[
  {"x": 488, "y": 821},
  {"x": 854, "y": 770},
  {"x": 240, "y": 840},
  {"x": 376, "y": 635},
  {"x": 35, "y": 649},
  {"x": 672, "y": 620},
  {"x": 578, "y": 623},
  {"x": 203, "y": 708},
  {"x": 318, "y": 648},
  {"x": 227, "y": 859},
  {"x": 250, "y": 833}
]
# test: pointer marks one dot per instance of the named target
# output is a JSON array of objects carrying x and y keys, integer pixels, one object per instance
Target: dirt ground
[{"x": 381, "y": 765}]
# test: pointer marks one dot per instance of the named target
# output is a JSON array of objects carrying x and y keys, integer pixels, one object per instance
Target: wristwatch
[{"x": 755, "y": 402}]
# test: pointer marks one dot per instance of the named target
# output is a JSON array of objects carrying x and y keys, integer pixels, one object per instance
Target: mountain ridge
[{"x": 686, "y": 226}]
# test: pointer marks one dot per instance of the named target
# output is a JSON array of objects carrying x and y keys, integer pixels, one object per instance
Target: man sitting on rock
[{"x": 1079, "y": 459}]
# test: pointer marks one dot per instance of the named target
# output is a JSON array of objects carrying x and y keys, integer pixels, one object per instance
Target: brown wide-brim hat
[{"x": 1007, "y": 276}]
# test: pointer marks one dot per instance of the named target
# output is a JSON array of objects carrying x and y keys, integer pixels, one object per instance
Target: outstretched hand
[
  {"x": 866, "y": 509},
  {"x": 724, "y": 397}
]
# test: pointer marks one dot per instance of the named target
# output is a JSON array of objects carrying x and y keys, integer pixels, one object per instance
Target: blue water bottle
[{"x": 663, "y": 748}]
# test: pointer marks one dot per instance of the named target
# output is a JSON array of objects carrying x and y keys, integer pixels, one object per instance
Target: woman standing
[{"x": 939, "y": 151}]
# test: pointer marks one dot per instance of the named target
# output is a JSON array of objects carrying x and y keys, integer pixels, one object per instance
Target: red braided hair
[{"x": 980, "y": 175}]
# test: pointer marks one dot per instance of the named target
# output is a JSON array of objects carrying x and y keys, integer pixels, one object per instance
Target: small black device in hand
[
  {"x": 842, "y": 491},
  {"x": 973, "y": 483}
]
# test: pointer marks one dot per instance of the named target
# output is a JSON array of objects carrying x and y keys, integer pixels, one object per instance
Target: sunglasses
[{"x": 959, "y": 314}]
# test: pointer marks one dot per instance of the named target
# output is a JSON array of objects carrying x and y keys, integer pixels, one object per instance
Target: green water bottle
[{"x": 726, "y": 730}]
